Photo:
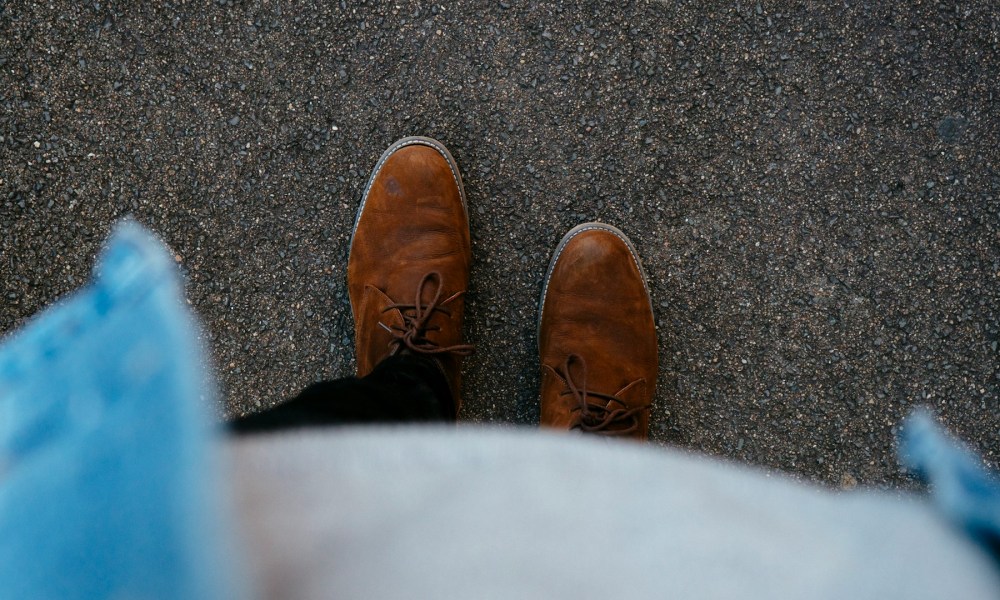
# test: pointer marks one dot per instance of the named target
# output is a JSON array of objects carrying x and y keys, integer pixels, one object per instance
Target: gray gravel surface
[{"x": 813, "y": 187}]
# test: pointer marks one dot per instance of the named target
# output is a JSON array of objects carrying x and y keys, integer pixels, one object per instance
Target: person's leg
[
  {"x": 596, "y": 336},
  {"x": 408, "y": 267},
  {"x": 405, "y": 388},
  {"x": 407, "y": 273}
]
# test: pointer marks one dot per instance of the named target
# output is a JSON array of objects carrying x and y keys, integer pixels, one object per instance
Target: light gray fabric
[{"x": 414, "y": 512}]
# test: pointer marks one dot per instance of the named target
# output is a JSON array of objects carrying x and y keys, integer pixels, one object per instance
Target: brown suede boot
[
  {"x": 408, "y": 268},
  {"x": 596, "y": 337}
]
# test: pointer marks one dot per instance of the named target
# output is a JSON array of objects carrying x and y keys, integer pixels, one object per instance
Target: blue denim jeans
[
  {"x": 963, "y": 491},
  {"x": 109, "y": 470},
  {"x": 107, "y": 466}
]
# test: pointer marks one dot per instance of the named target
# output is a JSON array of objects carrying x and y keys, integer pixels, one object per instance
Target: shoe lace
[
  {"x": 412, "y": 335},
  {"x": 614, "y": 417}
]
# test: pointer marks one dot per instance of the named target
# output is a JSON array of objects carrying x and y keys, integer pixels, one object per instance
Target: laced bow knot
[
  {"x": 416, "y": 317},
  {"x": 612, "y": 418}
]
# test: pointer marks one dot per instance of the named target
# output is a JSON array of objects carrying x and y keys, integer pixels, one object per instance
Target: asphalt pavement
[{"x": 813, "y": 187}]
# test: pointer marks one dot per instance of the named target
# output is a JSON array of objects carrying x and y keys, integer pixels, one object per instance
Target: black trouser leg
[{"x": 407, "y": 388}]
